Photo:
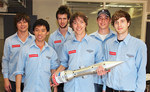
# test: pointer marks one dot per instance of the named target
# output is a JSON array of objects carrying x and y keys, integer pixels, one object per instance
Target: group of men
[{"x": 29, "y": 61}]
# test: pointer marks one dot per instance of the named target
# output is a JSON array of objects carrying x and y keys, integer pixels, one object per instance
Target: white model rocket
[{"x": 67, "y": 75}]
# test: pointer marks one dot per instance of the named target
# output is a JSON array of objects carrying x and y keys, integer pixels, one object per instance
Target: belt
[{"x": 112, "y": 90}]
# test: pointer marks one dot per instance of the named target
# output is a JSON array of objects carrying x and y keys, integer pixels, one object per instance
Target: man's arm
[
  {"x": 5, "y": 64},
  {"x": 141, "y": 61},
  {"x": 18, "y": 82},
  {"x": 60, "y": 69}
]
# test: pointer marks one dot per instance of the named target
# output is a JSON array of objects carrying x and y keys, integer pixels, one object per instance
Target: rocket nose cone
[{"x": 110, "y": 64}]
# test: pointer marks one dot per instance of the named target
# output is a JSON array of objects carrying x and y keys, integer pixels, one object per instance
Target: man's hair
[
  {"x": 21, "y": 16},
  {"x": 119, "y": 14},
  {"x": 63, "y": 9},
  {"x": 41, "y": 22},
  {"x": 76, "y": 15}
]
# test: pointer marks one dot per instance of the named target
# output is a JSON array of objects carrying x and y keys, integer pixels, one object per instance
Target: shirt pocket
[
  {"x": 129, "y": 62},
  {"x": 89, "y": 57}
]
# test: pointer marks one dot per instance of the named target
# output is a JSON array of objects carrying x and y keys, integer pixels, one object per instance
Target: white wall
[{"x": 46, "y": 9}]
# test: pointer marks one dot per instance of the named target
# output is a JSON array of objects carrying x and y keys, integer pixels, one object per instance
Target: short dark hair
[
  {"x": 76, "y": 15},
  {"x": 119, "y": 14},
  {"x": 63, "y": 9},
  {"x": 41, "y": 22},
  {"x": 21, "y": 16}
]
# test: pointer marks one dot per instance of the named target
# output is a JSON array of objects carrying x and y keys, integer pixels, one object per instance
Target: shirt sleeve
[
  {"x": 21, "y": 62},
  {"x": 141, "y": 61},
  {"x": 50, "y": 42},
  {"x": 64, "y": 56},
  {"x": 55, "y": 61},
  {"x": 5, "y": 59}
]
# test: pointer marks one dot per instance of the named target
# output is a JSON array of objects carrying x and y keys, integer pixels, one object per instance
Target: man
[
  {"x": 62, "y": 34},
  {"x": 102, "y": 35},
  {"x": 12, "y": 47},
  {"x": 37, "y": 61},
  {"x": 131, "y": 75},
  {"x": 79, "y": 52}
]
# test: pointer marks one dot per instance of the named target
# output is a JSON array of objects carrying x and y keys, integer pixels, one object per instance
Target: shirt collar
[
  {"x": 30, "y": 35},
  {"x": 34, "y": 44},
  {"x": 126, "y": 40},
  {"x": 86, "y": 38},
  {"x": 16, "y": 34},
  {"x": 110, "y": 33},
  {"x": 69, "y": 31}
]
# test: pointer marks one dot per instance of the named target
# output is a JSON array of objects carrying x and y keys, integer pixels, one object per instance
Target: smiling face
[
  {"x": 103, "y": 21},
  {"x": 121, "y": 21},
  {"x": 40, "y": 33},
  {"x": 79, "y": 26},
  {"x": 121, "y": 26},
  {"x": 62, "y": 20},
  {"x": 22, "y": 25}
]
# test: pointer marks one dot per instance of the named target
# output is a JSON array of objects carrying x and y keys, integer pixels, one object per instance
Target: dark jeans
[
  {"x": 60, "y": 88},
  {"x": 112, "y": 90},
  {"x": 13, "y": 85},
  {"x": 98, "y": 87}
]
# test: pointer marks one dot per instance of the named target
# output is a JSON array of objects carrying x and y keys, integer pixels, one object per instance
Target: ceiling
[{"x": 135, "y": 10}]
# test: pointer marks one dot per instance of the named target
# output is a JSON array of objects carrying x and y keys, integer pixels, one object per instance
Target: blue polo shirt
[
  {"x": 36, "y": 66},
  {"x": 56, "y": 40},
  {"x": 95, "y": 35},
  {"x": 12, "y": 46},
  {"x": 131, "y": 75},
  {"x": 76, "y": 54}
]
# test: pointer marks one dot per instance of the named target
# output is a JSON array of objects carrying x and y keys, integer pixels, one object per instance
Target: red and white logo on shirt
[
  {"x": 112, "y": 53},
  {"x": 33, "y": 55},
  {"x": 16, "y": 45},
  {"x": 57, "y": 41},
  {"x": 72, "y": 51}
]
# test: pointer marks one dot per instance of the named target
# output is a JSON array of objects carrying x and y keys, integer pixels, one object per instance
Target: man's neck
[
  {"x": 63, "y": 31},
  {"x": 80, "y": 36},
  {"x": 23, "y": 35},
  {"x": 40, "y": 44},
  {"x": 122, "y": 36},
  {"x": 103, "y": 31}
]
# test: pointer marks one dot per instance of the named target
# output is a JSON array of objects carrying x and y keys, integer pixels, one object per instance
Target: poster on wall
[{"x": 3, "y": 6}]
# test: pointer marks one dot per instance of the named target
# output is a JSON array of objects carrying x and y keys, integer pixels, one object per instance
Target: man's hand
[
  {"x": 53, "y": 81},
  {"x": 18, "y": 82},
  {"x": 101, "y": 71},
  {"x": 104, "y": 91},
  {"x": 7, "y": 85}
]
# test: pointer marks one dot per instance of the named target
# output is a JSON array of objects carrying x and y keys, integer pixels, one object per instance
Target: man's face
[
  {"x": 121, "y": 25},
  {"x": 40, "y": 33},
  {"x": 103, "y": 21},
  {"x": 22, "y": 25},
  {"x": 79, "y": 26},
  {"x": 62, "y": 20}
]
